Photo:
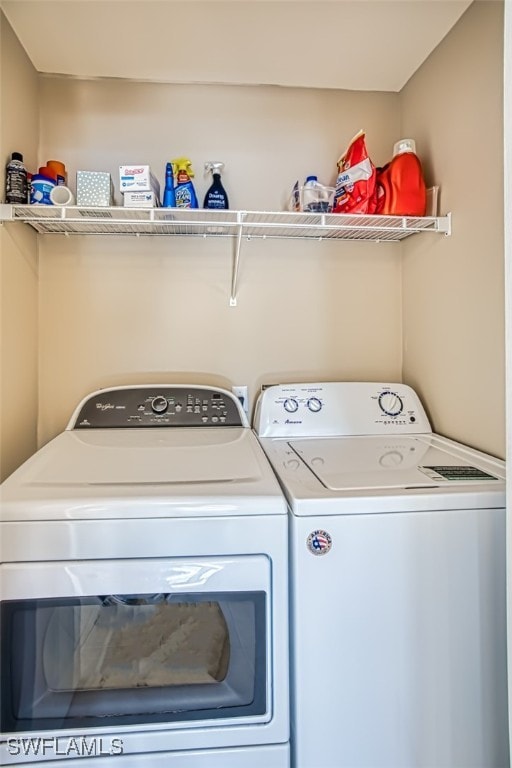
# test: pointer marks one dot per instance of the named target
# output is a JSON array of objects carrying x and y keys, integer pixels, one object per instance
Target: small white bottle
[{"x": 310, "y": 194}]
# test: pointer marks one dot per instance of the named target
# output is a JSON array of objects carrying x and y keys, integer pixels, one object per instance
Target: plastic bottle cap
[
  {"x": 404, "y": 145},
  {"x": 58, "y": 167},
  {"x": 50, "y": 173},
  {"x": 311, "y": 178},
  {"x": 17, "y": 156}
]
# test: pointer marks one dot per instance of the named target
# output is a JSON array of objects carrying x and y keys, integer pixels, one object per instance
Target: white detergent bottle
[{"x": 315, "y": 196}]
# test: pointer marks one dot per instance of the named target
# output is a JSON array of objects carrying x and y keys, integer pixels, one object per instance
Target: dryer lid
[
  {"x": 144, "y": 472},
  {"x": 147, "y": 457},
  {"x": 374, "y": 463}
]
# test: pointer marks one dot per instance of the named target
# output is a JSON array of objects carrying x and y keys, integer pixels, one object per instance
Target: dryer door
[{"x": 177, "y": 641}]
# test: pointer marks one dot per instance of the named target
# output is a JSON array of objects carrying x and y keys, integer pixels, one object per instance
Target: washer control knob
[
  {"x": 390, "y": 403},
  {"x": 290, "y": 405},
  {"x": 314, "y": 404},
  {"x": 159, "y": 404}
]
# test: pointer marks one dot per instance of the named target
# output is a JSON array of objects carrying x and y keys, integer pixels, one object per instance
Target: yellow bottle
[{"x": 184, "y": 190}]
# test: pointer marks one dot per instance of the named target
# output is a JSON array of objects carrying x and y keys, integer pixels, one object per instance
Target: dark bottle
[
  {"x": 216, "y": 196},
  {"x": 16, "y": 180}
]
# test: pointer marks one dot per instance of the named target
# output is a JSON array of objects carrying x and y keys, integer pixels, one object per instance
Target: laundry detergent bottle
[
  {"x": 184, "y": 190},
  {"x": 216, "y": 196},
  {"x": 401, "y": 187}
]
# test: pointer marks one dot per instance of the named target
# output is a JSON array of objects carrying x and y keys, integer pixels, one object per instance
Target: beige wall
[
  {"x": 18, "y": 263},
  {"x": 115, "y": 310},
  {"x": 125, "y": 309},
  {"x": 507, "y": 87},
  {"x": 453, "y": 290}
]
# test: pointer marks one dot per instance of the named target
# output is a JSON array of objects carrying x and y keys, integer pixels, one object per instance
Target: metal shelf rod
[{"x": 79, "y": 220}]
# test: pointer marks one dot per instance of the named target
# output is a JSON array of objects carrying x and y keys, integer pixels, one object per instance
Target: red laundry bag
[{"x": 356, "y": 185}]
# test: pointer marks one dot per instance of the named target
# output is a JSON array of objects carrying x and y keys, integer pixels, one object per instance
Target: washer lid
[{"x": 374, "y": 463}]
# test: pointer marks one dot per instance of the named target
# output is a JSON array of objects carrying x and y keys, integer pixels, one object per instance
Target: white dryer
[
  {"x": 144, "y": 589},
  {"x": 397, "y": 546}
]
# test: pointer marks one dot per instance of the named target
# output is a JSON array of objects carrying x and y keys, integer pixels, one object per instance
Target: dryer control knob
[
  {"x": 159, "y": 404},
  {"x": 390, "y": 403},
  {"x": 314, "y": 404},
  {"x": 290, "y": 405}
]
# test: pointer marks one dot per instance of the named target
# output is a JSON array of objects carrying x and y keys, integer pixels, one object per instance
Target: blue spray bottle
[
  {"x": 169, "y": 200},
  {"x": 184, "y": 189}
]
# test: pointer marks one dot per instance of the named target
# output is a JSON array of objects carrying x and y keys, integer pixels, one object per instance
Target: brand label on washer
[{"x": 319, "y": 542}]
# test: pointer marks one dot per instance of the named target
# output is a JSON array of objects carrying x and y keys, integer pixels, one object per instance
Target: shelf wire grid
[{"x": 75, "y": 220}]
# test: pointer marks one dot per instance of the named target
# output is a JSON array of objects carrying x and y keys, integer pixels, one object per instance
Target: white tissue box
[{"x": 94, "y": 188}]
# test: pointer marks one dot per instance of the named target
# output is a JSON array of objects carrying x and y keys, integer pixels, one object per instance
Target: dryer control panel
[
  {"x": 339, "y": 408},
  {"x": 159, "y": 406}
]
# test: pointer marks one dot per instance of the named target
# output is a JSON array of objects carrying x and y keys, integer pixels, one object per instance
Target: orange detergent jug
[{"x": 401, "y": 187}]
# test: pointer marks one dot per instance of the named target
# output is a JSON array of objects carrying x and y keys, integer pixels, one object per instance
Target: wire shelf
[{"x": 75, "y": 220}]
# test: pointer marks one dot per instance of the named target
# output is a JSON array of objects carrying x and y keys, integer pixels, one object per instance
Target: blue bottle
[{"x": 169, "y": 200}]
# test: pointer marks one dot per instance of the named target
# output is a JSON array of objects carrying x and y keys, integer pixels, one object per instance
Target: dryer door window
[{"x": 124, "y": 659}]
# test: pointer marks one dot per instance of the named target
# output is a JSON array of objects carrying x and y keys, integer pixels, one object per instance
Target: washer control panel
[
  {"x": 339, "y": 409},
  {"x": 390, "y": 403},
  {"x": 158, "y": 406}
]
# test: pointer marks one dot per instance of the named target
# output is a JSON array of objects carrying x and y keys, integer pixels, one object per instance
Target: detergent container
[
  {"x": 41, "y": 185},
  {"x": 401, "y": 187},
  {"x": 316, "y": 197},
  {"x": 59, "y": 170}
]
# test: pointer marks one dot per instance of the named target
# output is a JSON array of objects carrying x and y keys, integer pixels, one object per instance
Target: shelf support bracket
[
  {"x": 5, "y": 213},
  {"x": 236, "y": 258},
  {"x": 445, "y": 224}
]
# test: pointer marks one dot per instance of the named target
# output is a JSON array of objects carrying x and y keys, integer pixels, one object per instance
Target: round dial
[
  {"x": 391, "y": 459},
  {"x": 290, "y": 405},
  {"x": 390, "y": 403},
  {"x": 314, "y": 404},
  {"x": 159, "y": 404}
]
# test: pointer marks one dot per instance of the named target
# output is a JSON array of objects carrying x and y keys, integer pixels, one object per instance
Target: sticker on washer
[
  {"x": 319, "y": 542},
  {"x": 453, "y": 473}
]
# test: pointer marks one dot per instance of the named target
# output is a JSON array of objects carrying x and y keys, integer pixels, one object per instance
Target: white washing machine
[
  {"x": 397, "y": 546},
  {"x": 144, "y": 589}
]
